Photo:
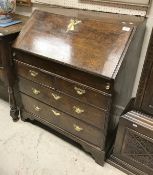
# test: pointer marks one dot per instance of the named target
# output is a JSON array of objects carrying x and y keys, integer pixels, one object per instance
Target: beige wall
[
  {"x": 75, "y": 2},
  {"x": 122, "y": 9},
  {"x": 28, "y": 11},
  {"x": 98, "y": 7},
  {"x": 145, "y": 45}
]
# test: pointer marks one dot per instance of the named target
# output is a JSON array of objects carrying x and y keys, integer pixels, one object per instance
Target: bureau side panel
[{"x": 125, "y": 78}]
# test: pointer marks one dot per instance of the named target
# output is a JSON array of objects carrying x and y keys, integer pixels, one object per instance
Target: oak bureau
[{"x": 75, "y": 73}]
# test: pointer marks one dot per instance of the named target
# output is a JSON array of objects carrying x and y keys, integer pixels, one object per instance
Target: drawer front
[
  {"x": 0, "y": 61},
  {"x": 64, "y": 121},
  {"x": 82, "y": 111},
  {"x": 134, "y": 143},
  {"x": 84, "y": 94},
  {"x": 34, "y": 74},
  {"x": 68, "y": 72}
]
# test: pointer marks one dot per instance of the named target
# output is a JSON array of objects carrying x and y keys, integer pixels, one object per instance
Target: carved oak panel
[
  {"x": 138, "y": 147},
  {"x": 133, "y": 147}
]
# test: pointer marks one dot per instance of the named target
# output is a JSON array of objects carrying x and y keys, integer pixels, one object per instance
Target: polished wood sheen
[
  {"x": 79, "y": 91},
  {"x": 65, "y": 103},
  {"x": 89, "y": 80},
  {"x": 74, "y": 72},
  {"x": 63, "y": 121},
  {"x": 35, "y": 74},
  {"x": 76, "y": 47}
]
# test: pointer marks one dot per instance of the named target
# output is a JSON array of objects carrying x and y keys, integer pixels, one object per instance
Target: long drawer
[
  {"x": 81, "y": 92},
  {"x": 82, "y": 111},
  {"x": 103, "y": 84},
  {"x": 64, "y": 121}
]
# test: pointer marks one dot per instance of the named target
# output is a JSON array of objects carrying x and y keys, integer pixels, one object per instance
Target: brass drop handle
[
  {"x": 78, "y": 110},
  {"x": 79, "y": 91},
  {"x": 107, "y": 86},
  {"x": 37, "y": 108},
  {"x": 55, "y": 113},
  {"x": 56, "y": 97},
  {"x": 35, "y": 91},
  {"x": 33, "y": 73},
  {"x": 77, "y": 128}
]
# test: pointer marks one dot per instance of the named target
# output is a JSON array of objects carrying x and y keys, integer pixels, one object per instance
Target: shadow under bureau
[{"x": 75, "y": 73}]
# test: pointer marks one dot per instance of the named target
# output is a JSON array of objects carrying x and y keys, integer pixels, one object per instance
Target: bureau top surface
[
  {"x": 4, "y": 31},
  {"x": 92, "y": 45}
]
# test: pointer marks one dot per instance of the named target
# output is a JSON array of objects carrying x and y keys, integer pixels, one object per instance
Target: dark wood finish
[
  {"x": 147, "y": 103},
  {"x": 96, "y": 153},
  {"x": 89, "y": 68},
  {"x": 63, "y": 71},
  {"x": 144, "y": 95},
  {"x": 7, "y": 36},
  {"x": 3, "y": 92},
  {"x": 90, "y": 95},
  {"x": 2, "y": 74},
  {"x": 64, "y": 121},
  {"x": 134, "y": 144},
  {"x": 37, "y": 75},
  {"x": 79, "y": 91},
  {"x": 133, "y": 147},
  {"x": 65, "y": 103},
  {"x": 74, "y": 46}
]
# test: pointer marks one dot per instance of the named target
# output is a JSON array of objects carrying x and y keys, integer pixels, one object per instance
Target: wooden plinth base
[{"x": 123, "y": 166}]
